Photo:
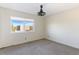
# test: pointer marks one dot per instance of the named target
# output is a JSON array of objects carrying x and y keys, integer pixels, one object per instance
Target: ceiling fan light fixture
[{"x": 41, "y": 13}]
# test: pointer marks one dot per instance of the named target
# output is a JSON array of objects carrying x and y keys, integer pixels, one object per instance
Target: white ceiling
[{"x": 33, "y": 8}]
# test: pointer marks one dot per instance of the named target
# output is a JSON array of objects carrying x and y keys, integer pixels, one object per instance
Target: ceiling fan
[{"x": 41, "y": 12}]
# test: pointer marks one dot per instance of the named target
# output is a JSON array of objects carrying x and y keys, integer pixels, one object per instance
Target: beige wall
[
  {"x": 64, "y": 27},
  {"x": 9, "y": 38},
  {"x": 0, "y": 28}
]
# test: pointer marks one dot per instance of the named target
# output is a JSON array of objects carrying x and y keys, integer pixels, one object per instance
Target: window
[{"x": 21, "y": 24}]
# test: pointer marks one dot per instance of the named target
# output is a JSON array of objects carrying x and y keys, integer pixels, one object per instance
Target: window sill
[{"x": 22, "y": 31}]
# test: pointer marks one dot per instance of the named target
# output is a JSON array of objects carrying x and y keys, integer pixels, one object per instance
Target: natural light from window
[{"x": 21, "y": 25}]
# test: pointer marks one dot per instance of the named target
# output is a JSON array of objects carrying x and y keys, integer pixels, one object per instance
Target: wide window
[{"x": 21, "y": 24}]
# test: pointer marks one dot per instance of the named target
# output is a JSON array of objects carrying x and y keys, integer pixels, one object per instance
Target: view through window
[{"x": 20, "y": 24}]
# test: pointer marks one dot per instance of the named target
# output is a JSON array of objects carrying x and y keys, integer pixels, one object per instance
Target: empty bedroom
[{"x": 39, "y": 28}]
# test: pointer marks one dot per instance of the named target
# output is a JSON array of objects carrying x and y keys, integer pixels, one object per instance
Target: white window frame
[{"x": 22, "y": 19}]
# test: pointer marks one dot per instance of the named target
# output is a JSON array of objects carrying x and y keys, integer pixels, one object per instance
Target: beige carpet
[{"x": 40, "y": 47}]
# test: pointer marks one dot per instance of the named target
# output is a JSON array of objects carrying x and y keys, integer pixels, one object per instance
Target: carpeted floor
[{"x": 40, "y": 47}]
